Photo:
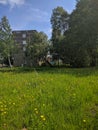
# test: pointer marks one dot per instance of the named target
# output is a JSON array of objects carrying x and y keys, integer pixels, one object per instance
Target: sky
[{"x": 32, "y": 14}]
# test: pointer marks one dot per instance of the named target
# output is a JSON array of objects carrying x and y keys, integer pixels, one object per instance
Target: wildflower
[
  {"x": 43, "y": 105},
  {"x": 84, "y": 120},
  {"x": 4, "y": 112},
  {"x": 13, "y": 103},
  {"x": 35, "y": 109},
  {"x": 43, "y": 117}
]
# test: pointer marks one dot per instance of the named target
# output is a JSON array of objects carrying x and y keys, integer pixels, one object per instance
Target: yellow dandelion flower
[
  {"x": 42, "y": 116},
  {"x": 4, "y": 112},
  {"x": 84, "y": 120},
  {"x": 43, "y": 105},
  {"x": 13, "y": 103},
  {"x": 35, "y": 109}
]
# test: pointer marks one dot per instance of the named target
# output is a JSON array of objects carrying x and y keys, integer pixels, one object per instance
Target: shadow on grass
[{"x": 78, "y": 72}]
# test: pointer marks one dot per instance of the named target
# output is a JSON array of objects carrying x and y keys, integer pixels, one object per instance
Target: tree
[
  {"x": 37, "y": 47},
  {"x": 6, "y": 39},
  {"x": 59, "y": 21},
  {"x": 83, "y": 33}
]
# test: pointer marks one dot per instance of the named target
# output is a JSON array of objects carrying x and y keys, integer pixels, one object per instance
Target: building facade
[{"x": 21, "y": 38}]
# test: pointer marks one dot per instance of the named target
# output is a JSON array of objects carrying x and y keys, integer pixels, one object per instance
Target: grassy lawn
[{"x": 49, "y": 99}]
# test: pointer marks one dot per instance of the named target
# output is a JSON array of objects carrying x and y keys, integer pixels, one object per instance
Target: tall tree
[
  {"x": 6, "y": 39},
  {"x": 83, "y": 32},
  {"x": 59, "y": 21},
  {"x": 37, "y": 46}
]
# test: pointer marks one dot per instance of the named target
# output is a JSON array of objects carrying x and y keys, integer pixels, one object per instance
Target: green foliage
[
  {"x": 6, "y": 39},
  {"x": 81, "y": 59},
  {"x": 59, "y": 23},
  {"x": 79, "y": 45},
  {"x": 37, "y": 46},
  {"x": 83, "y": 31},
  {"x": 48, "y": 99}
]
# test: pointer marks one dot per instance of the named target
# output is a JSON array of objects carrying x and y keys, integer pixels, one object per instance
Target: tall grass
[{"x": 49, "y": 99}]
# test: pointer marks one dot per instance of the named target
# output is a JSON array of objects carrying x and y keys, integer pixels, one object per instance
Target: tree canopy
[
  {"x": 37, "y": 46},
  {"x": 6, "y": 39},
  {"x": 79, "y": 43},
  {"x": 59, "y": 21}
]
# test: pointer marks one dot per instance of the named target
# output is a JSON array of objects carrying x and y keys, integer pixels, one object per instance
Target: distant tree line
[
  {"x": 35, "y": 49},
  {"x": 75, "y": 35}
]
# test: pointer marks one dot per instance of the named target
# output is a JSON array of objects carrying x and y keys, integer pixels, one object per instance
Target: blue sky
[{"x": 32, "y": 14}]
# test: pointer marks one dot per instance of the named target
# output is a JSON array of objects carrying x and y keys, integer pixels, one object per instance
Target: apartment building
[{"x": 22, "y": 38}]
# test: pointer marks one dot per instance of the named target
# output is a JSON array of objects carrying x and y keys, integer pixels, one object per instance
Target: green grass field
[{"x": 49, "y": 99}]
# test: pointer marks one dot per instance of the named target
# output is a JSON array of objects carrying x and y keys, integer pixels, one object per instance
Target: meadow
[{"x": 48, "y": 99}]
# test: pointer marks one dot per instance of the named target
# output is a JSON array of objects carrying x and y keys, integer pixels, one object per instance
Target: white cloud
[
  {"x": 39, "y": 12},
  {"x": 16, "y": 2},
  {"x": 35, "y": 14},
  {"x": 39, "y": 15},
  {"x": 3, "y": 1},
  {"x": 12, "y": 2}
]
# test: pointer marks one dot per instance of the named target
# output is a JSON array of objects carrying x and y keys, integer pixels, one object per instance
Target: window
[
  {"x": 24, "y": 42},
  {"x": 24, "y": 35}
]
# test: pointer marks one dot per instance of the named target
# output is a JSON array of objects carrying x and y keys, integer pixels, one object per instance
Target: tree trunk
[{"x": 9, "y": 62}]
